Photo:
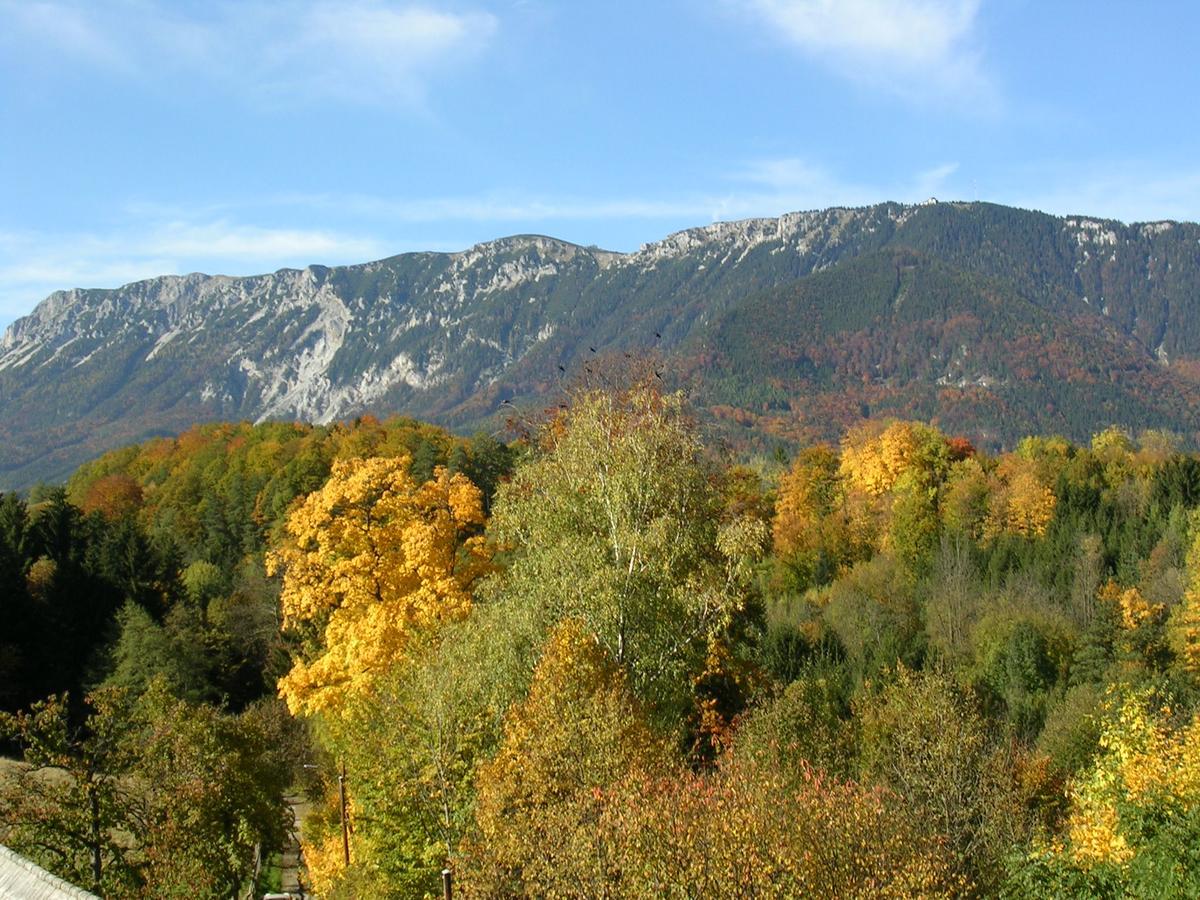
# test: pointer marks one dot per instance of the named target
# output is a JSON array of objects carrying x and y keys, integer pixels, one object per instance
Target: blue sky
[{"x": 143, "y": 137}]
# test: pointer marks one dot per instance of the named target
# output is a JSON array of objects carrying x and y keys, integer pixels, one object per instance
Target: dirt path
[{"x": 291, "y": 864}]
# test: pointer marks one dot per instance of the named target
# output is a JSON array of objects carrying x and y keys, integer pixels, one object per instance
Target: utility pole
[
  {"x": 447, "y": 884},
  {"x": 345, "y": 823}
]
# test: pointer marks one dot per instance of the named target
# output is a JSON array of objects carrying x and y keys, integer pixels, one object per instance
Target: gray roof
[{"x": 22, "y": 880}]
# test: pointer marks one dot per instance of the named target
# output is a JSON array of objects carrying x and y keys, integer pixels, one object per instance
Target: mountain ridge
[{"x": 450, "y": 336}]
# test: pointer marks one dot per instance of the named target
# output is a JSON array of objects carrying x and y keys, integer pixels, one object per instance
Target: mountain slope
[
  {"x": 998, "y": 320},
  {"x": 922, "y": 339}
]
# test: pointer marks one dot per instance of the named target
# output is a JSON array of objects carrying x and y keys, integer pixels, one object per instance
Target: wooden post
[
  {"x": 345, "y": 824},
  {"x": 447, "y": 884}
]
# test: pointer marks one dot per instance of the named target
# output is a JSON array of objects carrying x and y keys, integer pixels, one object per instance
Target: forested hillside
[
  {"x": 608, "y": 661},
  {"x": 994, "y": 322},
  {"x": 141, "y": 651},
  {"x": 922, "y": 339}
]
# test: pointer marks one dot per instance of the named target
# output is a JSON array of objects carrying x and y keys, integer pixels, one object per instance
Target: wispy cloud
[
  {"x": 496, "y": 206},
  {"x": 761, "y": 187},
  {"x": 932, "y": 181},
  {"x": 62, "y": 28},
  {"x": 360, "y": 51},
  {"x": 923, "y": 50},
  {"x": 1131, "y": 191},
  {"x": 158, "y": 239},
  {"x": 1126, "y": 190},
  {"x": 230, "y": 241},
  {"x": 792, "y": 183},
  {"x": 32, "y": 265}
]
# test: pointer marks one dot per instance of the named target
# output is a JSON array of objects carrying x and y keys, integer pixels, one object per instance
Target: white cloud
[
  {"x": 920, "y": 49},
  {"x": 763, "y": 187},
  {"x": 791, "y": 183},
  {"x": 499, "y": 207},
  {"x": 1130, "y": 191},
  {"x": 361, "y": 50},
  {"x": 364, "y": 49},
  {"x": 227, "y": 241},
  {"x": 787, "y": 173},
  {"x": 33, "y": 265},
  {"x": 768, "y": 186},
  {"x": 63, "y": 28},
  {"x": 932, "y": 181},
  {"x": 161, "y": 239}
]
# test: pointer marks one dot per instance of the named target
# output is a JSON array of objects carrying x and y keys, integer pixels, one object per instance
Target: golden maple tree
[{"x": 369, "y": 560}]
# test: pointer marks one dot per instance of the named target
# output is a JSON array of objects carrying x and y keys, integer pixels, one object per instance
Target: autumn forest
[{"x": 598, "y": 655}]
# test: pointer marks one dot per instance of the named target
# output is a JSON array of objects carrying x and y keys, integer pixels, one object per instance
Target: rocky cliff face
[
  {"x": 312, "y": 344},
  {"x": 450, "y": 336}
]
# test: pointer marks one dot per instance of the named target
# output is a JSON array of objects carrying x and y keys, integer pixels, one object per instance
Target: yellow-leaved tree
[
  {"x": 875, "y": 456},
  {"x": 1134, "y": 813},
  {"x": 808, "y": 493},
  {"x": 815, "y": 534},
  {"x": 894, "y": 473},
  {"x": 369, "y": 560},
  {"x": 1022, "y": 501}
]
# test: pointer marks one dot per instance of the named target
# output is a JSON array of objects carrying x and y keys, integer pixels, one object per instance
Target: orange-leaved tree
[
  {"x": 369, "y": 560},
  {"x": 815, "y": 534},
  {"x": 578, "y": 733}
]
